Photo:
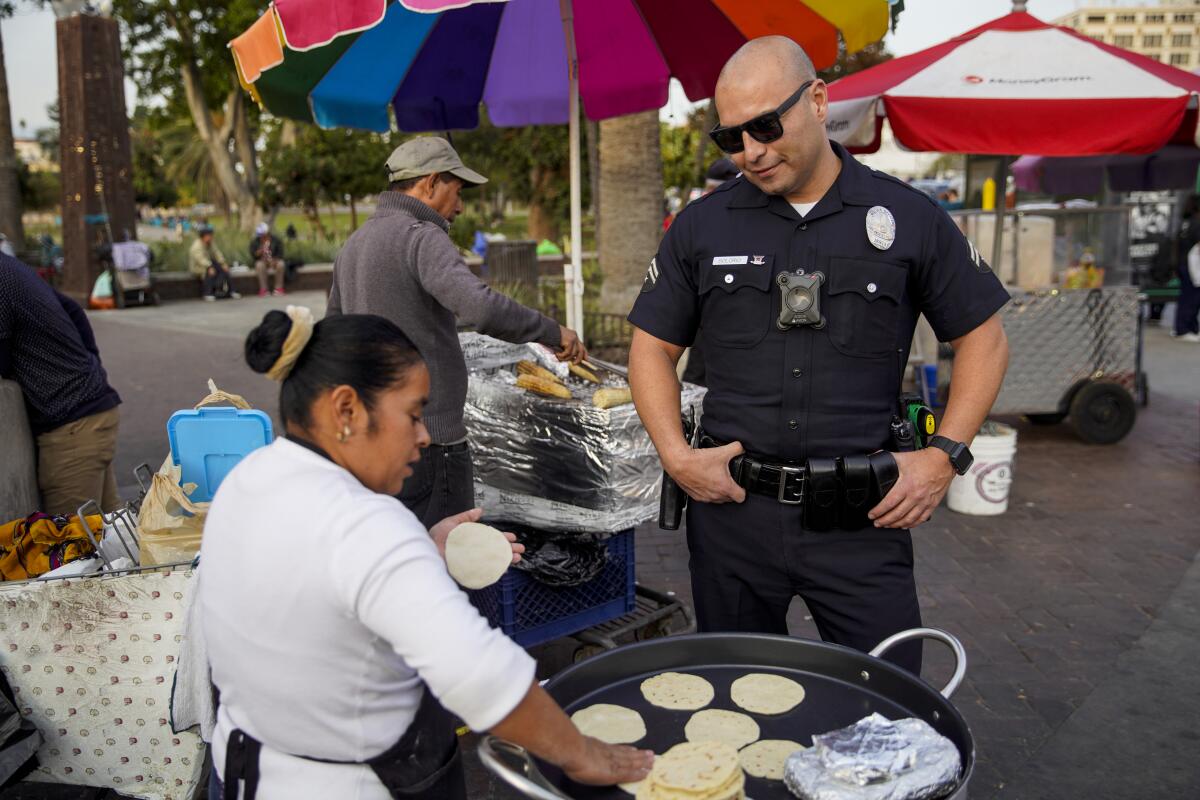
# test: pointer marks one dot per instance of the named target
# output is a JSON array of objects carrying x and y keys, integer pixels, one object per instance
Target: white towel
[{"x": 192, "y": 694}]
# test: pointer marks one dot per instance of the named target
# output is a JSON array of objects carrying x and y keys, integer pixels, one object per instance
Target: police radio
[
  {"x": 914, "y": 425},
  {"x": 800, "y": 296}
]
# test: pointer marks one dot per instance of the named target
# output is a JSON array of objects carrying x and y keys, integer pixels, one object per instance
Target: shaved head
[
  {"x": 797, "y": 162},
  {"x": 778, "y": 56}
]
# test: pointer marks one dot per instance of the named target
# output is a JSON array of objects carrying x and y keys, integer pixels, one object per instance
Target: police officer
[{"x": 805, "y": 277}]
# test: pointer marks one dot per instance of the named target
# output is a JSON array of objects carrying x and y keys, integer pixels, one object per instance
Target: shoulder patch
[
  {"x": 651, "y": 281},
  {"x": 977, "y": 260}
]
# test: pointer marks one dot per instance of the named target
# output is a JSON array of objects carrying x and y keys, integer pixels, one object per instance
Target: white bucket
[{"x": 983, "y": 491}]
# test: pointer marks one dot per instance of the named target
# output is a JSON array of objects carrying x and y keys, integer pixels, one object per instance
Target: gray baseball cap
[{"x": 426, "y": 155}]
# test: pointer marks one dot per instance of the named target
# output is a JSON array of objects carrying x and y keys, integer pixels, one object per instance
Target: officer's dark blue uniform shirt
[{"x": 806, "y": 392}]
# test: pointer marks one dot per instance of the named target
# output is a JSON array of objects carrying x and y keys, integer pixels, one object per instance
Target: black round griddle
[{"x": 841, "y": 687}]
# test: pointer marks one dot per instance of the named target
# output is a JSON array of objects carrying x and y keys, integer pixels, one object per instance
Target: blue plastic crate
[
  {"x": 208, "y": 443},
  {"x": 532, "y": 613}
]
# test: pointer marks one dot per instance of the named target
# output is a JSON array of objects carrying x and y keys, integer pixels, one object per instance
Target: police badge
[{"x": 881, "y": 227}]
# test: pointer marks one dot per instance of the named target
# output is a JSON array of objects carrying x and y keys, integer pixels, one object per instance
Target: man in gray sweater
[{"x": 402, "y": 265}]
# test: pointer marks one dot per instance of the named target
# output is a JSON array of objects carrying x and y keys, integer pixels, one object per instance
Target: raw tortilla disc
[
  {"x": 631, "y": 788},
  {"x": 695, "y": 771},
  {"x": 718, "y": 725},
  {"x": 677, "y": 690},
  {"x": 609, "y": 723},
  {"x": 766, "y": 758},
  {"x": 477, "y": 555},
  {"x": 762, "y": 693}
]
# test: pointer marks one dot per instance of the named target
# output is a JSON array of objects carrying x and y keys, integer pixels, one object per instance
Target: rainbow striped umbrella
[
  {"x": 341, "y": 64},
  {"x": 344, "y": 63}
]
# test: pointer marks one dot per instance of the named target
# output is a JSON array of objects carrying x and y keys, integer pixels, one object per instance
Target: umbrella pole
[
  {"x": 573, "y": 271},
  {"x": 1001, "y": 204}
]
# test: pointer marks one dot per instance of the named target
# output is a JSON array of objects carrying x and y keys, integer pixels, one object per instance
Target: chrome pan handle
[
  {"x": 960, "y": 654},
  {"x": 512, "y": 764}
]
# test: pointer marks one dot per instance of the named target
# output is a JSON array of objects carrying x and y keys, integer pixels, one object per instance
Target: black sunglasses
[{"x": 764, "y": 128}]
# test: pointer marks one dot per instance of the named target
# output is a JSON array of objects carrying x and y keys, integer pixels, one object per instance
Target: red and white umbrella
[{"x": 1018, "y": 85}]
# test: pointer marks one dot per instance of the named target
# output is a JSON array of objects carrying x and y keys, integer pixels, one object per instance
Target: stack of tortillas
[
  {"x": 695, "y": 771},
  {"x": 477, "y": 555}
]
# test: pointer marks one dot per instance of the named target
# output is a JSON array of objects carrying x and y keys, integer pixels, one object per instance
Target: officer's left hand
[{"x": 925, "y": 476}]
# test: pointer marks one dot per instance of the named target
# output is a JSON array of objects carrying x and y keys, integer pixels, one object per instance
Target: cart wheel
[
  {"x": 586, "y": 651},
  {"x": 655, "y": 630},
  {"x": 1102, "y": 412},
  {"x": 1045, "y": 419}
]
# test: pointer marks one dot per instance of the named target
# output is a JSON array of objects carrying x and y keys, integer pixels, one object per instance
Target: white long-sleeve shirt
[{"x": 325, "y": 606}]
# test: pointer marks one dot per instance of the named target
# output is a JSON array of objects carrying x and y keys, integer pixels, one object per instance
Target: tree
[
  {"x": 47, "y": 138},
  {"x": 151, "y": 186},
  {"x": 631, "y": 205},
  {"x": 850, "y": 63},
  {"x": 177, "y": 50},
  {"x": 322, "y": 166},
  {"x": 683, "y": 150},
  {"x": 10, "y": 181},
  {"x": 530, "y": 164}
]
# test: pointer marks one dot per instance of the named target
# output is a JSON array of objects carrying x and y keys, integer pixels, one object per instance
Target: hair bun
[{"x": 264, "y": 344}]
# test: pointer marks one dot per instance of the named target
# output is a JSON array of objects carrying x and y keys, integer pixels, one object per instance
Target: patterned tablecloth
[{"x": 91, "y": 662}]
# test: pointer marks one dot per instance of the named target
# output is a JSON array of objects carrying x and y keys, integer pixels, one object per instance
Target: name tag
[{"x": 725, "y": 261}]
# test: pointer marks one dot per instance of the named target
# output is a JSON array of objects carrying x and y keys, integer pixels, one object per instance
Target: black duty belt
[{"x": 835, "y": 492}]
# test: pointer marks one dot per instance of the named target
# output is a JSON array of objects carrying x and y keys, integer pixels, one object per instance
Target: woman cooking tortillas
[{"x": 338, "y": 641}]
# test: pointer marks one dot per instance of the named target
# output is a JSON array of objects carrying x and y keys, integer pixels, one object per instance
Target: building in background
[
  {"x": 33, "y": 154},
  {"x": 1168, "y": 31}
]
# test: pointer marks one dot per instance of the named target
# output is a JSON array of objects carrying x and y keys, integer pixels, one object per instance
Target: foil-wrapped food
[
  {"x": 555, "y": 448},
  {"x": 876, "y": 759}
]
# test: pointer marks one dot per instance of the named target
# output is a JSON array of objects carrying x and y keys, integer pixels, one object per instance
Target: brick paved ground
[{"x": 1052, "y": 600}]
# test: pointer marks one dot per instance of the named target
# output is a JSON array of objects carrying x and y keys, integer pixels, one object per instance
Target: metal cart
[{"x": 1074, "y": 354}]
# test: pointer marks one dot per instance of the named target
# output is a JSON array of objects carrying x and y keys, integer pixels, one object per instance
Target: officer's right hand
[{"x": 704, "y": 474}]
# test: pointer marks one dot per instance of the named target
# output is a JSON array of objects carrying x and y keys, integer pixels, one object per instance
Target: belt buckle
[{"x": 784, "y": 471}]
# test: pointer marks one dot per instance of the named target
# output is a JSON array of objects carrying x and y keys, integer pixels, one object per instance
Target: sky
[{"x": 30, "y": 52}]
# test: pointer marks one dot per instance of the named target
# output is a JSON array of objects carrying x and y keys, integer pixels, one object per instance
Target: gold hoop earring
[{"x": 344, "y": 434}]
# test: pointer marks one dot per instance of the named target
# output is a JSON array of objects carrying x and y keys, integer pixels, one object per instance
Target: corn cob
[
  {"x": 583, "y": 372},
  {"x": 608, "y": 398},
  {"x": 539, "y": 385},
  {"x": 530, "y": 368}
]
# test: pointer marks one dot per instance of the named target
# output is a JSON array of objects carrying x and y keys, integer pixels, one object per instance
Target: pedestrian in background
[{"x": 1187, "y": 326}]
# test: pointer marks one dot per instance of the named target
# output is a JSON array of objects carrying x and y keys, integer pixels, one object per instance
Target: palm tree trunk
[
  {"x": 10, "y": 185},
  {"x": 631, "y": 205}
]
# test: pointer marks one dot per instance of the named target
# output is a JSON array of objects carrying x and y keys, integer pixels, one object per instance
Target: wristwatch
[{"x": 960, "y": 455}]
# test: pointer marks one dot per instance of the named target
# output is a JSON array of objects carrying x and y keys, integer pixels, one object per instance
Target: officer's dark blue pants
[{"x": 748, "y": 560}]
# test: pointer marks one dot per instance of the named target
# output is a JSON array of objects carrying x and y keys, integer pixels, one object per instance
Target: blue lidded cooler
[{"x": 207, "y": 443}]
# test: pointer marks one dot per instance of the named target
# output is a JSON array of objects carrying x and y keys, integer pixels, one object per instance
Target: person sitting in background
[
  {"x": 266, "y": 253},
  {"x": 206, "y": 262},
  {"x": 47, "y": 347}
]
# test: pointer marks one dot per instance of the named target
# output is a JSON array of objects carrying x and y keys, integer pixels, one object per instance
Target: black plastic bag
[{"x": 559, "y": 559}]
